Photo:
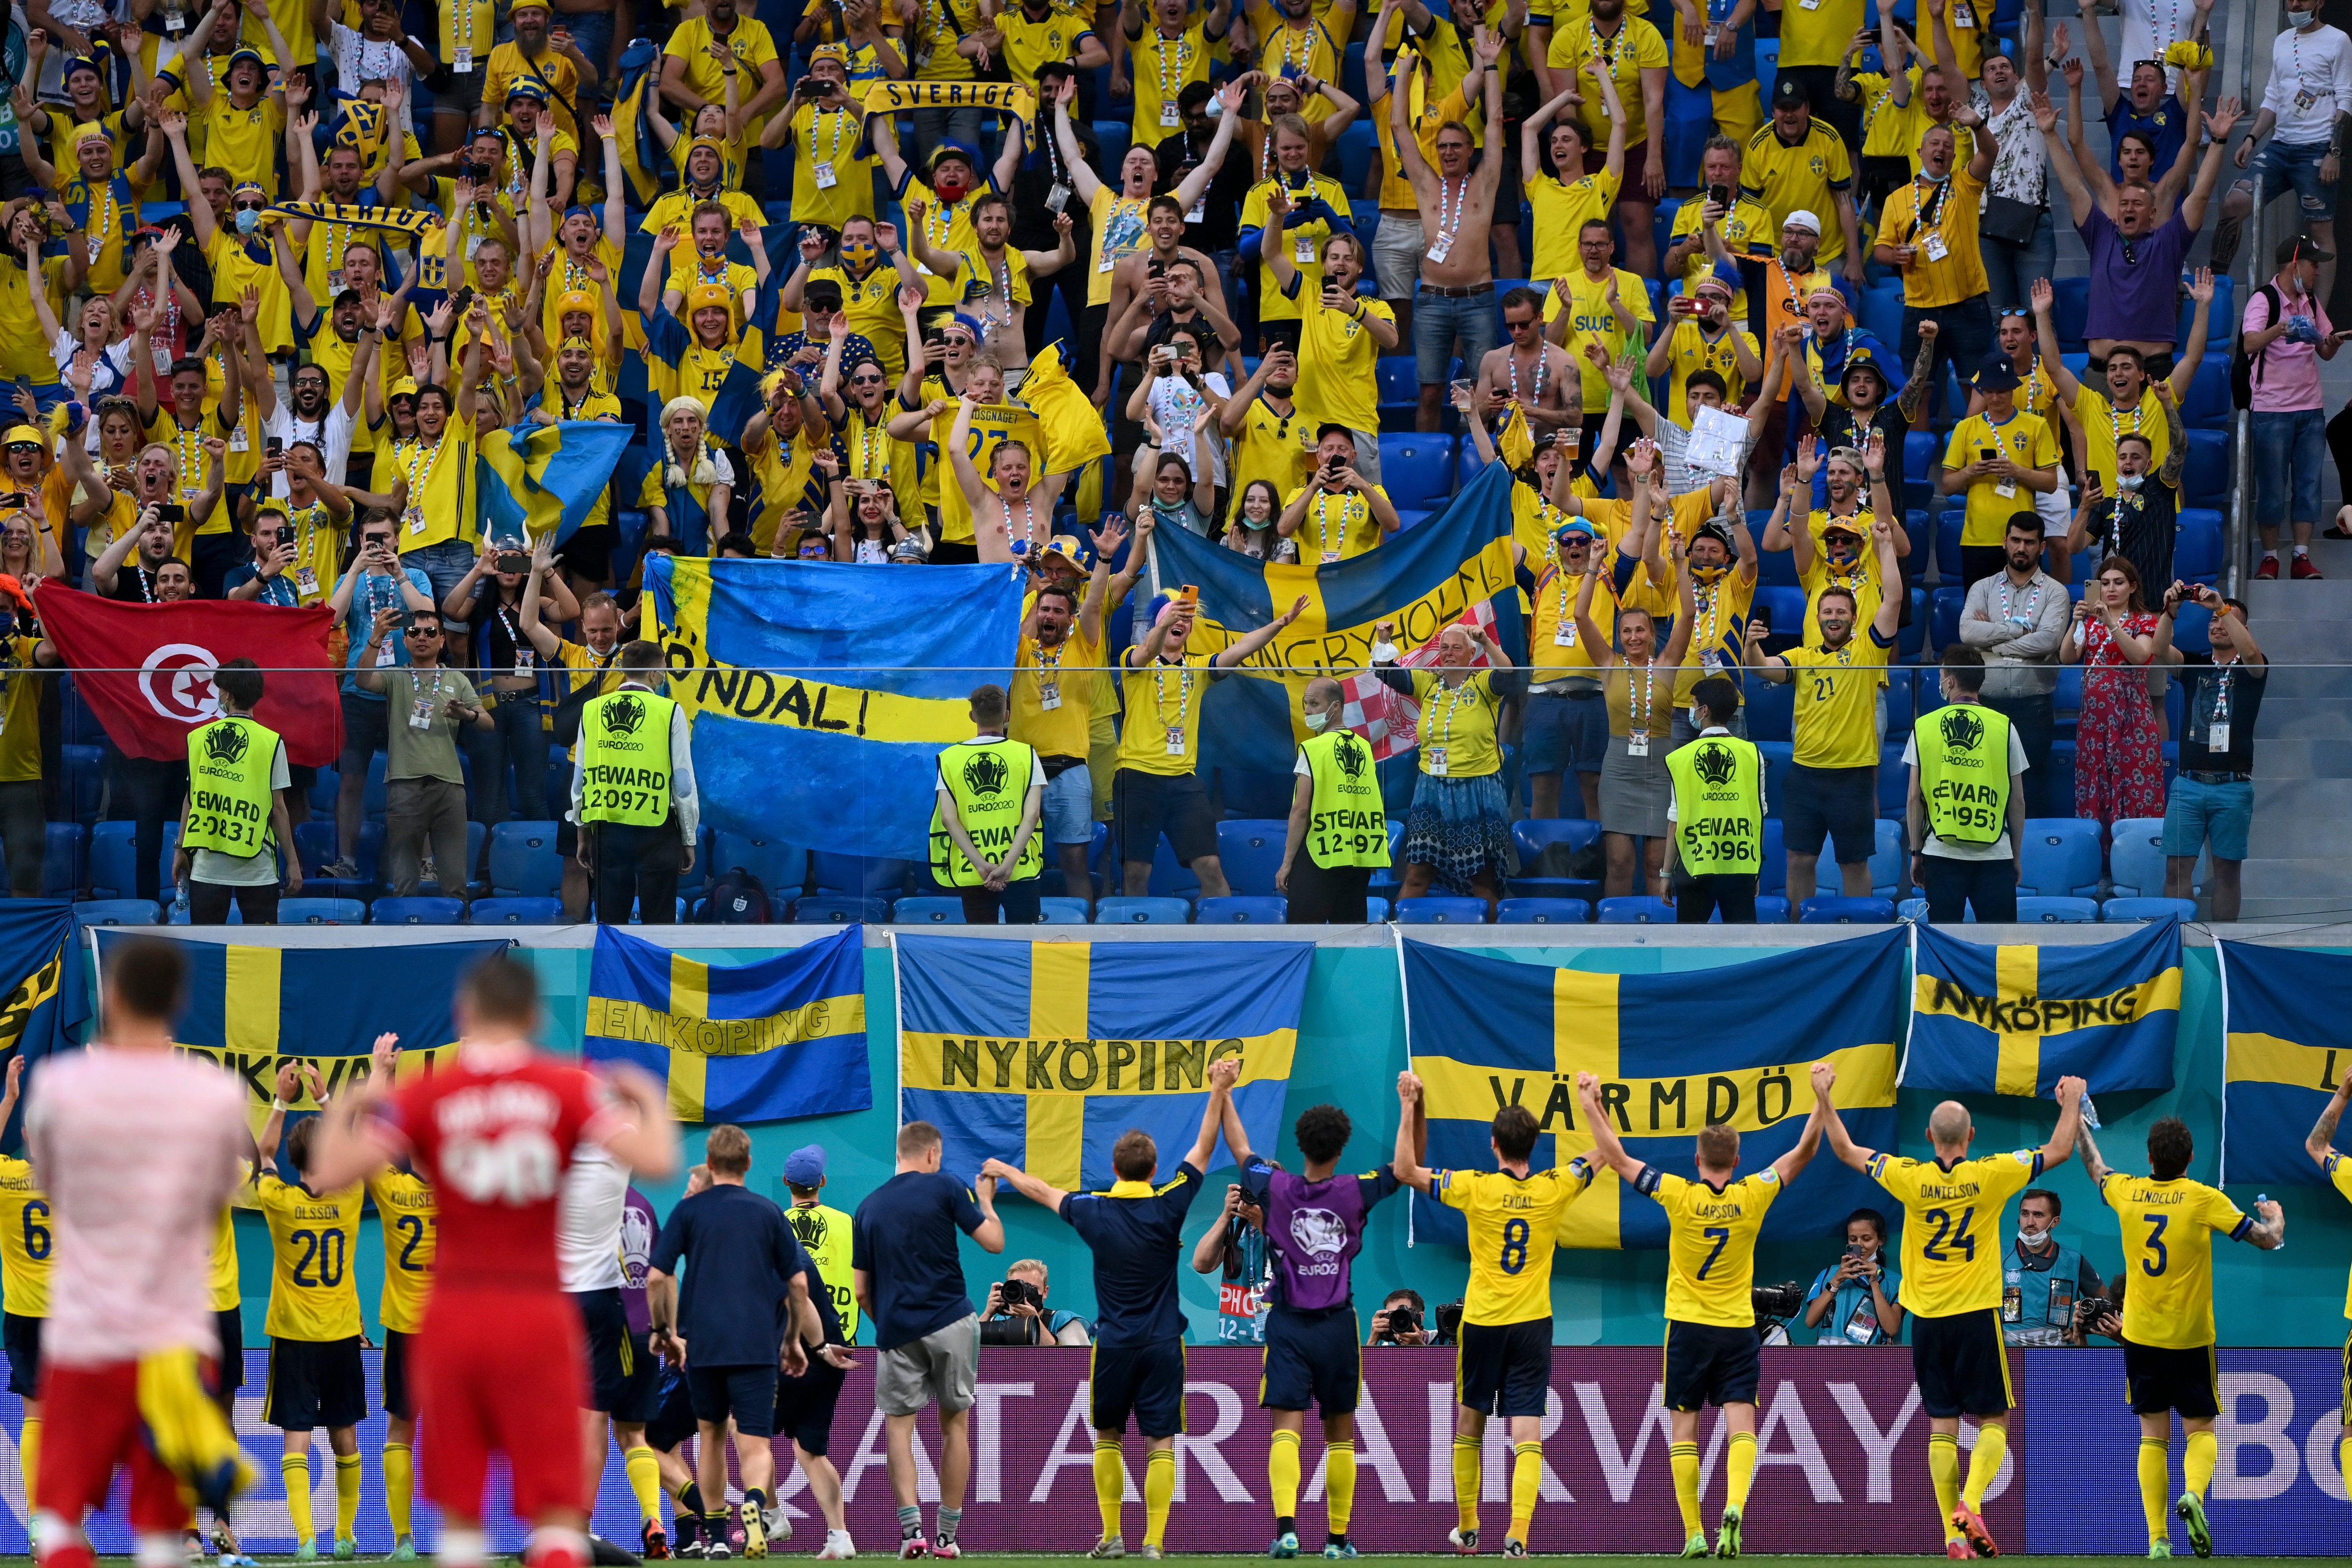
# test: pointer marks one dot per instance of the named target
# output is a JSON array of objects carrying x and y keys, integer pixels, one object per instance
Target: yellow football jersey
[
  {"x": 2339, "y": 1171},
  {"x": 405, "y": 1207},
  {"x": 221, "y": 1278},
  {"x": 1514, "y": 1225},
  {"x": 313, "y": 1294},
  {"x": 1952, "y": 1227},
  {"x": 24, "y": 1241},
  {"x": 2168, "y": 1235},
  {"x": 1711, "y": 1245}
]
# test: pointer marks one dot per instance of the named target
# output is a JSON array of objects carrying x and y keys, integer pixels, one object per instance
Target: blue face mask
[{"x": 247, "y": 219}]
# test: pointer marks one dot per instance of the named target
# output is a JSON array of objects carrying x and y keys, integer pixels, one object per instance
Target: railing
[{"x": 2254, "y": 245}]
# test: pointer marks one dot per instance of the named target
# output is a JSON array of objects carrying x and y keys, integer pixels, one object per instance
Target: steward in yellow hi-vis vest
[
  {"x": 1339, "y": 829},
  {"x": 1964, "y": 772},
  {"x": 1716, "y": 845},
  {"x": 229, "y": 797},
  {"x": 823, "y": 1231},
  {"x": 1965, "y": 813},
  {"x": 987, "y": 827},
  {"x": 633, "y": 791},
  {"x": 625, "y": 759}
]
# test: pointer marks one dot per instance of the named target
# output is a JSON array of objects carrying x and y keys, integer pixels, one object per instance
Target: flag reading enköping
[{"x": 2017, "y": 1017}]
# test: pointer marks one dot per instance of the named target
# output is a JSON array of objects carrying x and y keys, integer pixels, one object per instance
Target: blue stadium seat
[
  {"x": 1376, "y": 912},
  {"x": 2070, "y": 309},
  {"x": 1944, "y": 616},
  {"x": 2057, "y": 911},
  {"x": 1771, "y": 709},
  {"x": 2116, "y": 911},
  {"x": 2197, "y": 545},
  {"x": 2208, "y": 406},
  {"x": 117, "y": 913},
  {"x": 1114, "y": 136},
  {"x": 1784, "y": 611},
  {"x": 2066, "y": 701},
  {"x": 112, "y": 874},
  {"x": 2061, "y": 859},
  {"x": 1417, "y": 469},
  {"x": 1354, "y": 149},
  {"x": 309, "y": 911},
  {"x": 1441, "y": 912},
  {"x": 832, "y": 909},
  {"x": 1169, "y": 879},
  {"x": 1771, "y": 910},
  {"x": 523, "y": 862},
  {"x": 477, "y": 834},
  {"x": 1911, "y": 910},
  {"x": 1271, "y": 910},
  {"x": 782, "y": 868},
  {"x": 1910, "y": 641},
  {"x": 1062, "y": 912},
  {"x": 1250, "y": 849},
  {"x": 1881, "y": 314},
  {"x": 2205, "y": 481},
  {"x": 435, "y": 911},
  {"x": 1774, "y": 568},
  {"x": 1890, "y": 868},
  {"x": 1543, "y": 912},
  {"x": 1643, "y": 910},
  {"x": 1142, "y": 912},
  {"x": 1921, "y": 455},
  {"x": 878, "y": 878},
  {"x": 1846, "y": 911},
  {"x": 315, "y": 842},
  {"x": 1400, "y": 388},
  {"x": 1530, "y": 836},
  {"x": 1900, "y": 687},
  {"x": 942, "y": 912},
  {"x": 1894, "y": 782},
  {"x": 85, "y": 776},
  {"x": 64, "y": 855},
  {"x": 500, "y": 911},
  {"x": 1780, "y": 756},
  {"x": 1773, "y": 876},
  {"x": 2136, "y": 860},
  {"x": 1947, "y": 546},
  {"x": 372, "y": 796}
]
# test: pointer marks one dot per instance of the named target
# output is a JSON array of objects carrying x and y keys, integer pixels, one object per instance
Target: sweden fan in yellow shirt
[{"x": 1928, "y": 228}]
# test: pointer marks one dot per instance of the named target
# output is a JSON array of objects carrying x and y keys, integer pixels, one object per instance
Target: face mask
[
  {"x": 247, "y": 219},
  {"x": 2032, "y": 1240},
  {"x": 2129, "y": 482},
  {"x": 857, "y": 253},
  {"x": 1316, "y": 721},
  {"x": 1943, "y": 178}
]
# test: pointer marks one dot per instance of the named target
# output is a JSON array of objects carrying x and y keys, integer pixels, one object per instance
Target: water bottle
[
  {"x": 2261, "y": 1198},
  {"x": 2090, "y": 1112}
]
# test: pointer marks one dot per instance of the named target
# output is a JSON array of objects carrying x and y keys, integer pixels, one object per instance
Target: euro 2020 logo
[
  {"x": 227, "y": 745},
  {"x": 1714, "y": 764},
  {"x": 623, "y": 715},
  {"x": 1962, "y": 728},
  {"x": 984, "y": 773},
  {"x": 1351, "y": 753}
]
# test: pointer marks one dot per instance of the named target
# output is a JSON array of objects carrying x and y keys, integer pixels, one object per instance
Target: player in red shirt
[{"x": 501, "y": 1345}]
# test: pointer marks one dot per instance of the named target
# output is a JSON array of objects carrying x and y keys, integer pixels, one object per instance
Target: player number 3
[{"x": 518, "y": 1168}]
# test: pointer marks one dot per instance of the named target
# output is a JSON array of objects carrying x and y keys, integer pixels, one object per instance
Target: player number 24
[{"x": 1951, "y": 1232}]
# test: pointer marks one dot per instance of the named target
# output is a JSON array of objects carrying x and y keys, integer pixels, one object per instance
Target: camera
[
  {"x": 1785, "y": 1300},
  {"x": 1449, "y": 1319},
  {"x": 1404, "y": 1319},
  {"x": 1019, "y": 1293},
  {"x": 2091, "y": 1309}
]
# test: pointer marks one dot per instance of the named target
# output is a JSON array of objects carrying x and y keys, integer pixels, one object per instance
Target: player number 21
[{"x": 1515, "y": 1246}]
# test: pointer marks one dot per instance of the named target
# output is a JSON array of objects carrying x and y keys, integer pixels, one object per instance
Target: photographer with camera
[
  {"x": 2041, "y": 1280},
  {"x": 2102, "y": 1315},
  {"x": 1234, "y": 1249},
  {"x": 1854, "y": 1303},
  {"x": 1017, "y": 1313},
  {"x": 1402, "y": 1321}
]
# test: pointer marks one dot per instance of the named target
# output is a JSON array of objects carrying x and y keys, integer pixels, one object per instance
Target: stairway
[{"x": 2299, "y": 856}]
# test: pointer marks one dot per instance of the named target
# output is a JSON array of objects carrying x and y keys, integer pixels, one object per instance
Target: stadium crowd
[{"x": 1835, "y": 414}]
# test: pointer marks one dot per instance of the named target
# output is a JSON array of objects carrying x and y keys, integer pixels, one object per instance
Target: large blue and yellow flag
[
  {"x": 537, "y": 478},
  {"x": 1485, "y": 1033},
  {"x": 2282, "y": 1056},
  {"x": 845, "y": 680},
  {"x": 1422, "y": 580},
  {"x": 37, "y": 965},
  {"x": 254, "y": 1009},
  {"x": 765, "y": 1041},
  {"x": 1042, "y": 1054},
  {"x": 2014, "y": 1019}
]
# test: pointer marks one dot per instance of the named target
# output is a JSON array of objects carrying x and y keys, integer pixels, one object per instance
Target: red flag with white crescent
[{"x": 146, "y": 671}]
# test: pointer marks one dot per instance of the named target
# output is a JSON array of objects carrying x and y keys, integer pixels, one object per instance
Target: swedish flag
[
  {"x": 1422, "y": 580},
  {"x": 252, "y": 1009},
  {"x": 808, "y": 673},
  {"x": 36, "y": 955},
  {"x": 1485, "y": 1033},
  {"x": 538, "y": 478},
  {"x": 2015, "y": 1018},
  {"x": 1042, "y": 1054},
  {"x": 780, "y": 1037},
  {"x": 2281, "y": 1058}
]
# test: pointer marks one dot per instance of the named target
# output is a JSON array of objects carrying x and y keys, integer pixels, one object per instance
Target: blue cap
[
  {"x": 804, "y": 1166},
  {"x": 1582, "y": 525},
  {"x": 523, "y": 87}
]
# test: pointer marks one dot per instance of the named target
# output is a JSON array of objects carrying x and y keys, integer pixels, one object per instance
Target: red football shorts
[
  {"x": 502, "y": 1371},
  {"x": 93, "y": 1425}
]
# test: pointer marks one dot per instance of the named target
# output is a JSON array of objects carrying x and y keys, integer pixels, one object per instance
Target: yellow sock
[
  {"x": 1282, "y": 1474},
  {"x": 28, "y": 1453},
  {"x": 1159, "y": 1491},
  {"x": 295, "y": 1470},
  {"x": 1992, "y": 1442},
  {"x": 1340, "y": 1484},
  {"x": 347, "y": 1496},
  {"x": 1944, "y": 1470},
  {"x": 2204, "y": 1449},
  {"x": 1469, "y": 1455},
  {"x": 399, "y": 1485},
  {"x": 2152, "y": 1480},
  {"x": 1526, "y": 1478},
  {"x": 1110, "y": 1483},
  {"x": 1683, "y": 1460},
  {"x": 1739, "y": 1471},
  {"x": 644, "y": 1480}
]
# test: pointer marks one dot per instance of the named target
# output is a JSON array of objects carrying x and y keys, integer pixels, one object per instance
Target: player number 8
[{"x": 1515, "y": 1246}]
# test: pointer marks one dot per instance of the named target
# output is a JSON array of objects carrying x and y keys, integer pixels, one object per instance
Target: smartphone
[
  {"x": 512, "y": 560},
  {"x": 1156, "y": 268},
  {"x": 274, "y": 444},
  {"x": 1186, "y": 597},
  {"x": 1721, "y": 195},
  {"x": 2094, "y": 477},
  {"x": 1760, "y": 618},
  {"x": 461, "y": 302},
  {"x": 171, "y": 511},
  {"x": 1679, "y": 306},
  {"x": 1987, "y": 454}
]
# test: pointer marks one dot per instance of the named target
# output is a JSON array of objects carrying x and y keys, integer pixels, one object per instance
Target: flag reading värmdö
[
  {"x": 2017, "y": 1017},
  {"x": 2284, "y": 1053},
  {"x": 764, "y": 1041},
  {"x": 1042, "y": 1054},
  {"x": 1485, "y": 1033}
]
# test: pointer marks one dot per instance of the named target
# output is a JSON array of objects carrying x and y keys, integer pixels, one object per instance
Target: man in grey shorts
[{"x": 909, "y": 1281}]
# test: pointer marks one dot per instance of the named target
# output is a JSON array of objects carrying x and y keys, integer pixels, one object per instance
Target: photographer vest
[{"x": 2038, "y": 1304}]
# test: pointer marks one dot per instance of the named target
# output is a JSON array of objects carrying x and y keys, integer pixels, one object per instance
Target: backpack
[
  {"x": 737, "y": 898},
  {"x": 1564, "y": 861},
  {"x": 2244, "y": 368}
]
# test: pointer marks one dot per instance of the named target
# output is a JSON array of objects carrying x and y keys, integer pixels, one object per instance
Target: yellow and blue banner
[
  {"x": 2015, "y": 1018},
  {"x": 1044, "y": 1053},
  {"x": 254, "y": 1009},
  {"x": 816, "y": 676},
  {"x": 764, "y": 1041},
  {"x": 1732, "y": 1044},
  {"x": 36, "y": 956},
  {"x": 1422, "y": 580},
  {"x": 536, "y": 480},
  {"x": 2284, "y": 1053}
]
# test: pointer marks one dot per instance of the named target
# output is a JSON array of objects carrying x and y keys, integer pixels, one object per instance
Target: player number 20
[
  {"x": 321, "y": 1249},
  {"x": 1515, "y": 1246}
]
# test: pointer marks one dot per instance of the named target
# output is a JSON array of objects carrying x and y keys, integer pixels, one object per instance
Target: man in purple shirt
[
  {"x": 1314, "y": 1228},
  {"x": 2134, "y": 261}
]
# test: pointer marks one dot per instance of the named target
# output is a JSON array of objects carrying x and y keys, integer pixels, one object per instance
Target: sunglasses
[
  {"x": 2019, "y": 311},
  {"x": 251, "y": 207},
  {"x": 424, "y": 631}
]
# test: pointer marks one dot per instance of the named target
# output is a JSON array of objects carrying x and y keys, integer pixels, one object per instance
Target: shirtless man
[{"x": 1457, "y": 208}]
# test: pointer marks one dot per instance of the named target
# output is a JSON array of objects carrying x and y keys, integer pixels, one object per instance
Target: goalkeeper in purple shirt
[{"x": 1314, "y": 1228}]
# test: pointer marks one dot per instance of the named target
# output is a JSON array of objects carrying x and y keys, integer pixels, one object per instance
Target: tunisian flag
[{"x": 147, "y": 670}]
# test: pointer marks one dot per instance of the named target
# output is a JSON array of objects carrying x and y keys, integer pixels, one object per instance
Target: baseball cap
[
  {"x": 804, "y": 1166},
  {"x": 1790, "y": 94},
  {"x": 824, "y": 294},
  {"x": 1804, "y": 219},
  {"x": 523, "y": 87},
  {"x": 2302, "y": 248},
  {"x": 1997, "y": 374}
]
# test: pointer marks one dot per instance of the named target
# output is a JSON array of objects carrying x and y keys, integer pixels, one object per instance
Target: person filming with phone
[{"x": 1853, "y": 1302}]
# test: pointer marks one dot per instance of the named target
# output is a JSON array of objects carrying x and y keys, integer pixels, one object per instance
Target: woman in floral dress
[{"x": 2118, "y": 766}]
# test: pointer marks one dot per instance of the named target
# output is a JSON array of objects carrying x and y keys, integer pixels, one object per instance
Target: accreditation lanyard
[
  {"x": 1182, "y": 52},
  {"x": 1049, "y": 674},
  {"x": 1176, "y": 732},
  {"x": 1511, "y": 362},
  {"x": 1603, "y": 51},
  {"x": 1434, "y": 752},
  {"x": 1348, "y": 517},
  {"x": 1637, "y": 718}
]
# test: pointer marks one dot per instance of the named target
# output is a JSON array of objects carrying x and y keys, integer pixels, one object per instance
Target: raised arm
[
  {"x": 1406, "y": 1162},
  {"x": 1603, "y": 1128},
  {"x": 1848, "y": 1151},
  {"x": 2070, "y": 1124}
]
